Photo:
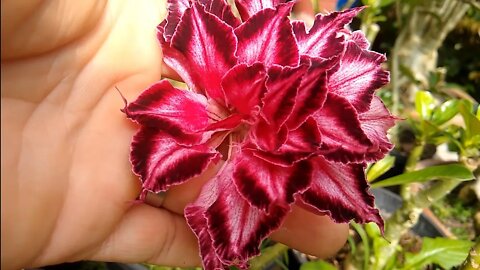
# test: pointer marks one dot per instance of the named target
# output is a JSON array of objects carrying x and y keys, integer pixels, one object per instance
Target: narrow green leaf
[
  {"x": 442, "y": 251},
  {"x": 317, "y": 265},
  {"x": 472, "y": 123},
  {"x": 381, "y": 167},
  {"x": 445, "y": 112},
  {"x": 440, "y": 172},
  {"x": 424, "y": 104}
]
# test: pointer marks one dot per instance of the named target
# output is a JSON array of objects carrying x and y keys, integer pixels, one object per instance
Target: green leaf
[
  {"x": 472, "y": 123},
  {"x": 442, "y": 251},
  {"x": 317, "y": 265},
  {"x": 441, "y": 172},
  {"x": 424, "y": 104},
  {"x": 381, "y": 167},
  {"x": 445, "y": 112}
]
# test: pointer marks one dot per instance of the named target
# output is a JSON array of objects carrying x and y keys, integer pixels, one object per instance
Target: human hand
[{"x": 68, "y": 192}]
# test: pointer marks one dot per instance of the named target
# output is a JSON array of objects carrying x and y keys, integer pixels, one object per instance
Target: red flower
[{"x": 296, "y": 109}]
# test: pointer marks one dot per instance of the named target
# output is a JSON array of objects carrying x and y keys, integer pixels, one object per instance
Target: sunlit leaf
[
  {"x": 381, "y": 167},
  {"x": 424, "y": 104},
  {"x": 447, "y": 253},
  {"x": 441, "y": 172},
  {"x": 445, "y": 112},
  {"x": 472, "y": 123}
]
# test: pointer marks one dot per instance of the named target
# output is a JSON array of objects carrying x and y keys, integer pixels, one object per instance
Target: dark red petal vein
[
  {"x": 341, "y": 191},
  {"x": 236, "y": 228},
  {"x": 161, "y": 162},
  {"x": 202, "y": 50},
  {"x": 322, "y": 40},
  {"x": 181, "y": 114},
  {"x": 244, "y": 86},
  {"x": 267, "y": 37},
  {"x": 248, "y": 8},
  {"x": 358, "y": 75},
  {"x": 266, "y": 185},
  {"x": 342, "y": 136}
]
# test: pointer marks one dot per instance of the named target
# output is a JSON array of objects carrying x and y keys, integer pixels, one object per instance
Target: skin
[{"x": 67, "y": 190}]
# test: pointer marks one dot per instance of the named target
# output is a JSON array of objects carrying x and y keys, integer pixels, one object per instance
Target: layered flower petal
[
  {"x": 311, "y": 93},
  {"x": 358, "y": 75},
  {"x": 300, "y": 144},
  {"x": 268, "y": 137},
  {"x": 375, "y": 123},
  {"x": 181, "y": 114},
  {"x": 265, "y": 184},
  {"x": 222, "y": 10},
  {"x": 267, "y": 37},
  {"x": 236, "y": 228},
  {"x": 282, "y": 87},
  {"x": 244, "y": 86},
  {"x": 342, "y": 135},
  {"x": 161, "y": 162},
  {"x": 248, "y": 8},
  {"x": 322, "y": 40},
  {"x": 176, "y": 8},
  {"x": 341, "y": 191},
  {"x": 201, "y": 51}
]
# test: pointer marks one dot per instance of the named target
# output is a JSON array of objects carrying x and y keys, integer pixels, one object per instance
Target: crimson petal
[
  {"x": 179, "y": 113},
  {"x": 359, "y": 38},
  {"x": 268, "y": 137},
  {"x": 176, "y": 8},
  {"x": 311, "y": 94},
  {"x": 201, "y": 51},
  {"x": 342, "y": 136},
  {"x": 236, "y": 228},
  {"x": 248, "y": 8},
  {"x": 322, "y": 39},
  {"x": 300, "y": 144},
  {"x": 267, "y": 37},
  {"x": 282, "y": 87},
  {"x": 358, "y": 76},
  {"x": 161, "y": 162},
  {"x": 341, "y": 191},
  {"x": 375, "y": 123},
  {"x": 222, "y": 10},
  {"x": 265, "y": 185},
  {"x": 244, "y": 86}
]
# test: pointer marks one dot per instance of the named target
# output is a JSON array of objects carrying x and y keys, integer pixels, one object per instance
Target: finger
[
  {"x": 302, "y": 230},
  {"x": 311, "y": 234},
  {"x": 153, "y": 235}
]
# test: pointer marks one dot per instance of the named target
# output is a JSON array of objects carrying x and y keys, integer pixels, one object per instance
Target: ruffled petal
[
  {"x": 311, "y": 94},
  {"x": 268, "y": 137},
  {"x": 282, "y": 87},
  {"x": 322, "y": 40},
  {"x": 181, "y": 114},
  {"x": 375, "y": 123},
  {"x": 175, "y": 8},
  {"x": 244, "y": 86},
  {"x": 342, "y": 137},
  {"x": 248, "y": 8},
  {"x": 265, "y": 185},
  {"x": 358, "y": 75},
  {"x": 300, "y": 144},
  {"x": 201, "y": 51},
  {"x": 235, "y": 227},
  {"x": 161, "y": 162},
  {"x": 360, "y": 39},
  {"x": 267, "y": 37},
  {"x": 222, "y": 10},
  {"x": 341, "y": 191}
]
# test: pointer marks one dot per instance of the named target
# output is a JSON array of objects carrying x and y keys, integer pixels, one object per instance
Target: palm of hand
[{"x": 67, "y": 189}]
